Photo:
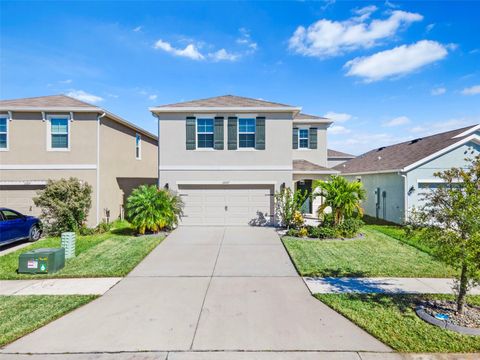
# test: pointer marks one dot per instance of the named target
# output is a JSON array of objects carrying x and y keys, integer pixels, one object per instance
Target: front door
[{"x": 306, "y": 186}]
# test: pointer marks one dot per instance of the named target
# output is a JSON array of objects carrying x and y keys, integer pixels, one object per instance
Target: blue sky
[{"x": 385, "y": 71}]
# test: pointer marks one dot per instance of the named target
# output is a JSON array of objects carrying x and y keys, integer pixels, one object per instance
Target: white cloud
[
  {"x": 190, "y": 51},
  {"x": 223, "y": 54},
  {"x": 338, "y": 129},
  {"x": 397, "y": 61},
  {"x": 326, "y": 38},
  {"x": 438, "y": 91},
  {"x": 398, "y": 121},
  {"x": 442, "y": 126},
  {"x": 360, "y": 142},
  {"x": 338, "y": 117},
  {"x": 84, "y": 96},
  {"x": 152, "y": 97},
  {"x": 429, "y": 27},
  {"x": 246, "y": 40},
  {"x": 67, "y": 81},
  {"x": 473, "y": 90},
  {"x": 138, "y": 29}
]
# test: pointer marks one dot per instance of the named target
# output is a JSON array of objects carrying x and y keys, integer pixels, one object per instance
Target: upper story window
[
  {"x": 138, "y": 146},
  {"x": 246, "y": 133},
  {"x": 59, "y": 134},
  {"x": 204, "y": 133},
  {"x": 3, "y": 132},
  {"x": 303, "y": 138}
]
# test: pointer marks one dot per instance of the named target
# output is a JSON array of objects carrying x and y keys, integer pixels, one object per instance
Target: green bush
[
  {"x": 287, "y": 206},
  {"x": 103, "y": 227},
  {"x": 292, "y": 232},
  {"x": 64, "y": 204},
  {"x": 150, "y": 209},
  {"x": 349, "y": 227},
  {"x": 326, "y": 232},
  {"x": 85, "y": 231}
]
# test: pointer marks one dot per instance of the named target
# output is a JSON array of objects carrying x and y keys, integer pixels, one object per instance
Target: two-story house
[
  {"x": 55, "y": 137},
  {"x": 228, "y": 155}
]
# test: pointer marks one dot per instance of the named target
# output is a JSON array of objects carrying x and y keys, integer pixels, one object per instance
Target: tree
[
  {"x": 288, "y": 204},
  {"x": 342, "y": 196},
  {"x": 64, "y": 204},
  {"x": 449, "y": 221},
  {"x": 152, "y": 209}
]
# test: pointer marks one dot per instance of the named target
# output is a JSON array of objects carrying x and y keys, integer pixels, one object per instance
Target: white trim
[
  {"x": 373, "y": 172},
  {"x": 49, "y": 132},
  {"x": 22, "y": 182},
  {"x": 48, "y": 166},
  {"x": 469, "y": 131},
  {"x": 139, "y": 157},
  {"x": 436, "y": 181},
  {"x": 7, "y": 121},
  {"x": 204, "y": 117},
  {"x": 97, "y": 173},
  {"x": 321, "y": 172},
  {"x": 472, "y": 137},
  {"x": 247, "y": 116},
  {"x": 308, "y": 137},
  {"x": 247, "y": 133},
  {"x": 48, "y": 109},
  {"x": 246, "y": 109},
  {"x": 223, "y": 168},
  {"x": 220, "y": 182}
]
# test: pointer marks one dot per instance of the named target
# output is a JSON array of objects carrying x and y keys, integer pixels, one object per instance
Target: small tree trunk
[{"x": 462, "y": 290}]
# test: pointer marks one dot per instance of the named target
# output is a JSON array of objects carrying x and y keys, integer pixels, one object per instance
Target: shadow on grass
[
  {"x": 126, "y": 231},
  {"x": 338, "y": 273},
  {"x": 401, "y": 302}
]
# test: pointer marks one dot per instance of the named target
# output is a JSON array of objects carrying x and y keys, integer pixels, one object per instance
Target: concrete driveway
[{"x": 205, "y": 288}]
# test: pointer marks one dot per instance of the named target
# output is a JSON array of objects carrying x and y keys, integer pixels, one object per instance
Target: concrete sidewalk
[
  {"x": 384, "y": 285},
  {"x": 80, "y": 286}
]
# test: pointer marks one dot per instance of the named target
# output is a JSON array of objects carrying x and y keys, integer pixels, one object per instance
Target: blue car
[{"x": 15, "y": 226}]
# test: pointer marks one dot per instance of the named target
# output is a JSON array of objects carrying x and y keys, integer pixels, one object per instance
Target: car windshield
[{"x": 11, "y": 215}]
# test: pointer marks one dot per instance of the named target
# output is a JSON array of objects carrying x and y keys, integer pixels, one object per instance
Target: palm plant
[
  {"x": 152, "y": 209},
  {"x": 343, "y": 197}
]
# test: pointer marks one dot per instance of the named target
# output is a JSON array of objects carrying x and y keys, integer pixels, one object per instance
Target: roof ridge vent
[
  {"x": 381, "y": 148},
  {"x": 414, "y": 141}
]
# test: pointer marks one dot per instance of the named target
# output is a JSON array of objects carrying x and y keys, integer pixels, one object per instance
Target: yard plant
[
  {"x": 450, "y": 223},
  {"x": 288, "y": 203},
  {"x": 65, "y": 204},
  {"x": 150, "y": 209}
]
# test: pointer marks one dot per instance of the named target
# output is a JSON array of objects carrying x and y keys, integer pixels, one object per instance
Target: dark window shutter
[
  {"x": 190, "y": 132},
  {"x": 312, "y": 137},
  {"x": 295, "y": 138},
  {"x": 218, "y": 133},
  {"x": 232, "y": 133},
  {"x": 260, "y": 133}
]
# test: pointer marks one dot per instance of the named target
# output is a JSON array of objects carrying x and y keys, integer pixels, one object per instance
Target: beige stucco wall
[
  {"x": 318, "y": 155},
  {"x": 27, "y": 134},
  {"x": 119, "y": 169}
]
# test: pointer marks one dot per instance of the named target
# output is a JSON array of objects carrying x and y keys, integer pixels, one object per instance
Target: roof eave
[
  {"x": 52, "y": 108},
  {"x": 318, "y": 172},
  {"x": 241, "y": 109},
  {"x": 389, "y": 171}
]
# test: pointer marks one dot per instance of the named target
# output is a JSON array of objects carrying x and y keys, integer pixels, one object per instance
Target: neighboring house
[
  {"x": 396, "y": 176},
  {"x": 55, "y": 137},
  {"x": 228, "y": 155},
  {"x": 335, "y": 158}
]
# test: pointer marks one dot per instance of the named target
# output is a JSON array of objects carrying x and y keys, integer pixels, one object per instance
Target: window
[
  {"x": 204, "y": 133},
  {"x": 246, "y": 133},
  {"x": 59, "y": 136},
  {"x": 138, "y": 146},
  {"x": 303, "y": 138},
  {"x": 11, "y": 215},
  {"x": 3, "y": 132}
]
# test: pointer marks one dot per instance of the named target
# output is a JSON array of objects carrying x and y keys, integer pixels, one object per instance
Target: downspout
[
  {"x": 405, "y": 195},
  {"x": 98, "y": 167},
  {"x": 155, "y": 115}
]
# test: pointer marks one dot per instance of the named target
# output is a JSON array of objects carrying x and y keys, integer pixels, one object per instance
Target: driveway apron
[{"x": 205, "y": 288}]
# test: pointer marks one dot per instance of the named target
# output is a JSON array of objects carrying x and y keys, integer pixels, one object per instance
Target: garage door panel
[
  {"x": 225, "y": 204},
  {"x": 20, "y": 198}
]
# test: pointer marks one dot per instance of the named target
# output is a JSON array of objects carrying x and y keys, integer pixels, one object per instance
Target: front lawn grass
[
  {"x": 114, "y": 253},
  {"x": 20, "y": 315},
  {"x": 392, "y": 319},
  {"x": 376, "y": 255},
  {"x": 398, "y": 232}
]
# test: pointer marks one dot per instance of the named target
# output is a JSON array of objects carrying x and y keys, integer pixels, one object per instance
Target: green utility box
[{"x": 41, "y": 261}]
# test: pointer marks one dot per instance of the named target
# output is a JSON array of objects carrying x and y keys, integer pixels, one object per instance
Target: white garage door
[
  {"x": 226, "y": 204},
  {"x": 20, "y": 198}
]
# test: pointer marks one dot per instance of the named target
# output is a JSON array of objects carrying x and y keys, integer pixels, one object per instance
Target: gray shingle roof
[
  {"x": 338, "y": 154},
  {"x": 399, "y": 156},
  {"x": 303, "y": 116},
  {"x": 52, "y": 101},
  {"x": 304, "y": 165},
  {"x": 227, "y": 101}
]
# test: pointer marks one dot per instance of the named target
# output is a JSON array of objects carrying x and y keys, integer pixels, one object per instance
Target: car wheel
[{"x": 35, "y": 233}]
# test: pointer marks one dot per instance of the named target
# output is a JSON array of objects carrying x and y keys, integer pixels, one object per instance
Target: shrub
[
  {"x": 298, "y": 220},
  {"x": 303, "y": 232},
  {"x": 150, "y": 209},
  {"x": 64, "y": 204},
  {"x": 326, "y": 232},
  {"x": 103, "y": 227},
  {"x": 349, "y": 227},
  {"x": 292, "y": 232},
  {"x": 287, "y": 204},
  {"x": 85, "y": 231}
]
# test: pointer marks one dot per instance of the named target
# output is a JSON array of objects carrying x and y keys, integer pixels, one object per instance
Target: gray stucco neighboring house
[
  {"x": 395, "y": 176},
  {"x": 227, "y": 156}
]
